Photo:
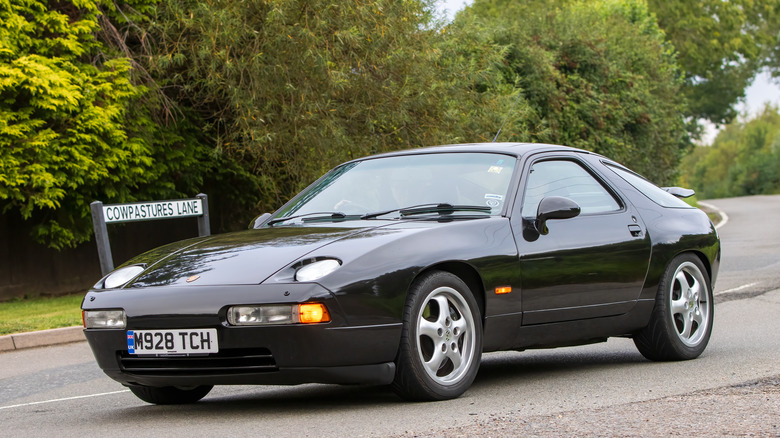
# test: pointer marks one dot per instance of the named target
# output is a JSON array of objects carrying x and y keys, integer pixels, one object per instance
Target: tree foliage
[
  {"x": 743, "y": 160},
  {"x": 595, "y": 75},
  {"x": 721, "y": 45},
  {"x": 250, "y": 101},
  {"x": 293, "y": 87},
  {"x": 74, "y": 126}
]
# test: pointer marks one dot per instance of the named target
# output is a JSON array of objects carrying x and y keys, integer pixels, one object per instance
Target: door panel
[
  {"x": 585, "y": 267},
  {"x": 589, "y": 266}
]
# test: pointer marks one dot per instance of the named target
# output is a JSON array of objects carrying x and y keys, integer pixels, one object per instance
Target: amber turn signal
[
  {"x": 503, "y": 290},
  {"x": 312, "y": 313}
]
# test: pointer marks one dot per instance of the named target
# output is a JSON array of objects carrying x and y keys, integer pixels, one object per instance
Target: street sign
[{"x": 144, "y": 211}]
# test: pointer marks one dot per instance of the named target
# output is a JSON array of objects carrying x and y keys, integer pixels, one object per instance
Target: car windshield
[{"x": 449, "y": 182}]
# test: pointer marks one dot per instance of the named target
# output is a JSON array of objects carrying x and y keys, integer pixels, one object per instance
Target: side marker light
[{"x": 503, "y": 290}]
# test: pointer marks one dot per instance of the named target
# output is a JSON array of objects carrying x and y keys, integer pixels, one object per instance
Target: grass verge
[{"x": 41, "y": 313}]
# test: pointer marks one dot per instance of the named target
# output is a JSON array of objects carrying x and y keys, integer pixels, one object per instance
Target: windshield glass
[{"x": 388, "y": 183}]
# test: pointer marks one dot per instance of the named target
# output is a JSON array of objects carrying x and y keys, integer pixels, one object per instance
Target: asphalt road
[
  {"x": 60, "y": 390},
  {"x": 750, "y": 239}
]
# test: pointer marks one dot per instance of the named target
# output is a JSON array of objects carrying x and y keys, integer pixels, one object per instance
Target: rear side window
[
  {"x": 570, "y": 180},
  {"x": 655, "y": 193}
]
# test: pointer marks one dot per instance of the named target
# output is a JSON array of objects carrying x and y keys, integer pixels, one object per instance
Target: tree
[
  {"x": 743, "y": 160},
  {"x": 250, "y": 100},
  {"x": 293, "y": 87},
  {"x": 595, "y": 75},
  {"x": 720, "y": 45},
  {"x": 74, "y": 126},
  {"x": 254, "y": 100}
]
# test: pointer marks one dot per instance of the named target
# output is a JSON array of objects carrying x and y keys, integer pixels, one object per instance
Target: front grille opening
[{"x": 229, "y": 361}]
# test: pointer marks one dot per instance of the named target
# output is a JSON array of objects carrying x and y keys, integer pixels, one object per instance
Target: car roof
[{"x": 516, "y": 149}]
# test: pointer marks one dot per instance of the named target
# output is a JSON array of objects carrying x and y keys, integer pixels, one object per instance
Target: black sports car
[{"x": 401, "y": 269}]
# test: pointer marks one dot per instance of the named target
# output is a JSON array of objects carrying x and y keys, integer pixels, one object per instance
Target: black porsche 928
[{"x": 401, "y": 269}]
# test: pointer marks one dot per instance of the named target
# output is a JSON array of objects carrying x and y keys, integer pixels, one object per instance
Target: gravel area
[{"x": 750, "y": 409}]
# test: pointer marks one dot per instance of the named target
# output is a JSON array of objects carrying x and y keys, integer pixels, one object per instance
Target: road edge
[{"x": 20, "y": 341}]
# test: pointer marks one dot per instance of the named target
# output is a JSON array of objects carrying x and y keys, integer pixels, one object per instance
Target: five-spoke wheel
[
  {"x": 446, "y": 335},
  {"x": 690, "y": 304},
  {"x": 681, "y": 323},
  {"x": 441, "y": 342}
]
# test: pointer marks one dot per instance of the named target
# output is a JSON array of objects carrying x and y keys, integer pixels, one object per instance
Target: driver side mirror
[
  {"x": 551, "y": 207},
  {"x": 259, "y": 221}
]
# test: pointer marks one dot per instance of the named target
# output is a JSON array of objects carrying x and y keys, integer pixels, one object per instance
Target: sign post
[
  {"x": 204, "y": 227},
  {"x": 144, "y": 211},
  {"x": 101, "y": 238}
]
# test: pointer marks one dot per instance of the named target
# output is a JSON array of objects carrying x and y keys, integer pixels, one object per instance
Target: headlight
[
  {"x": 122, "y": 276},
  {"x": 271, "y": 314},
  {"x": 260, "y": 315},
  {"x": 104, "y": 319},
  {"x": 316, "y": 270}
]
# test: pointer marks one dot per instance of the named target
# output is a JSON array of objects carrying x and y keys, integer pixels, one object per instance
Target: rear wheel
[
  {"x": 681, "y": 323},
  {"x": 170, "y": 395},
  {"x": 441, "y": 340}
]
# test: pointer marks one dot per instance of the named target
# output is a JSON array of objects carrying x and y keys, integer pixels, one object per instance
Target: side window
[
  {"x": 656, "y": 194},
  {"x": 570, "y": 180}
]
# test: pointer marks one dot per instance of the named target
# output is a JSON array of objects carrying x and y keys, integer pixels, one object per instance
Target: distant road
[
  {"x": 61, "y": 391},
  {"x": 751, "y": 259}
]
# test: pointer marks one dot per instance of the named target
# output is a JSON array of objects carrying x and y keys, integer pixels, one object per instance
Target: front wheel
[
  {"x": 170, "y": 395},
  {"x": 441, "y": 340},
  {"x": 681, "y": 323}
]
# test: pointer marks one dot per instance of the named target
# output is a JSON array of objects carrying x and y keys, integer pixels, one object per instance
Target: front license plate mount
[{"x": 172, "y": 342}]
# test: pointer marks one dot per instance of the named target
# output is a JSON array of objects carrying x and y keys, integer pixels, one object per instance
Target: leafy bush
[
  {"x": 743, "y": 160},
  {"x": 74, "y": 124},
  {"x": 251, "y": 101},
  {"x": 294, "y": 87},
  {"x": 595, "y": 75}
]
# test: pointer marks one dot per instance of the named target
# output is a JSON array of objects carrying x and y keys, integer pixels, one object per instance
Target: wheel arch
[
  {"x": 704, "y": 260},
  {"x": 468, "y": 274},
  {"x": 658, "y": 267}
]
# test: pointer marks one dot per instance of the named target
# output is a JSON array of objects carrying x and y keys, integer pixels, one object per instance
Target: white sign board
[{"x": 142, "y": 211}]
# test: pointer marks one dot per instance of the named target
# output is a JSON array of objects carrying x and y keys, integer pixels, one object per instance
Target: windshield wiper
[
  {"x": 444, "y": 209},
  {"x": 441, "y": 209},
  {"x": 330, "y": 215},
  {"x": 337, "y": 217}
]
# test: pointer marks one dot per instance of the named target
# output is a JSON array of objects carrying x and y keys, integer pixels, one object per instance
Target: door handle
[{"x": 635, "y": 230}]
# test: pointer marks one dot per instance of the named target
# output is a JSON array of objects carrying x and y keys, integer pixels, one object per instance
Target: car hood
[{"x": 246, "y": 257}]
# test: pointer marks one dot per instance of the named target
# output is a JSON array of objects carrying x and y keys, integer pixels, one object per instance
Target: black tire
[
  {"x": 681, "y": 323},
  {"x": 440, "y": 351},
  {"x": 170, "y": 395}
]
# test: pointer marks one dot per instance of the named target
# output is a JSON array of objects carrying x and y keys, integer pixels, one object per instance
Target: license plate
[{"x": 191, "y": 341}]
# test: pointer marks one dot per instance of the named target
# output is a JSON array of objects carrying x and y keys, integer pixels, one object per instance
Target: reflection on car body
[{"x": 404, "y": 268}]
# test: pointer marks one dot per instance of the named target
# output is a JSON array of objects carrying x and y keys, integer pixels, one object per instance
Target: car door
[{"x": 592, "y": 265}]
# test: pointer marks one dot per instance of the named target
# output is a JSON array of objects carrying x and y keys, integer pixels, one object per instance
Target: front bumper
[{"x": 334, "y": 352}]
